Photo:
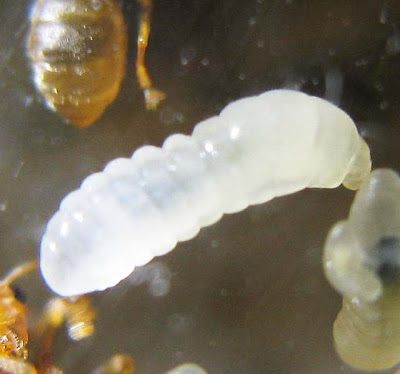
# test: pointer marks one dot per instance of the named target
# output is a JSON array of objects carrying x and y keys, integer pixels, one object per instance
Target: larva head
[
  {"x": 362, "y": 254},
  {"x": 359, "y": 167},
  {"x": 340, "y": 154},
  {"x": 291, "y": 141}
]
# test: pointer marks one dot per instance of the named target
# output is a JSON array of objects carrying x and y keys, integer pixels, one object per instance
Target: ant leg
[
  {"x": 152, "y": 96},
  {"x": 18, "y": 272},
  {"x": 48, "y": 326},
  {"x": 78, "y": 315},
  {"x": 117, "y": 364}
]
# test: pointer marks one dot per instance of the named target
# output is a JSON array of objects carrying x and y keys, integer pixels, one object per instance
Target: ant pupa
[{"x": 362, "y": 262}]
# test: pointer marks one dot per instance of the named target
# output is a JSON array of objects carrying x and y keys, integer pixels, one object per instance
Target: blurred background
[{"x": 248, "y": 294}]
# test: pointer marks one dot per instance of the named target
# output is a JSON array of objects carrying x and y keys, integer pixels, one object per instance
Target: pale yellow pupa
[{"x": 362, "y": 262}]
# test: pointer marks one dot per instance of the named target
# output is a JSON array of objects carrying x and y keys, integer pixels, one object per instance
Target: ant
[{"x": 76, "y": 313}]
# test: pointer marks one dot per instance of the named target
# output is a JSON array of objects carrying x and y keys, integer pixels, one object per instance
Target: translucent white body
[
  {"x": 258, "y": 148},
  {"x": 187, "y": 368},
  {"x": 362, "y": 261}
]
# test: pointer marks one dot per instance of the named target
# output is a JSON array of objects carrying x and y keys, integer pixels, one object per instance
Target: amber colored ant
[
  {"x": 79, "y": 68},
  {"x": 77, "y": 314}
]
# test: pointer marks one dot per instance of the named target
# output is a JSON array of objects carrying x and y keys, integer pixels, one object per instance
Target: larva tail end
[{"x": 359, "y": 168}]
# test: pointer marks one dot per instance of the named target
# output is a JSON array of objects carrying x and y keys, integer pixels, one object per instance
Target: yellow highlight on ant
[{"x": 78, "y": 315}]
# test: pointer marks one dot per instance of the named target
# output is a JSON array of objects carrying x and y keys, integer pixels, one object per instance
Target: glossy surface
[
  {"x": 362, "y": 261},
  {"x": 187, "y": 369},
  {"x": 78, "y": 53},
  {"x": 258, "y": 148},
  {"x": 76, "y": 313},
  {"x": 14, "y": 325}
]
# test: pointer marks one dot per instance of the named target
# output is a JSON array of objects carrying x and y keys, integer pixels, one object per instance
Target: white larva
[
  {"x": 362, "y": 262},
  {"x": 258, "y": 148},
  {"x": 187, "y": 368}
]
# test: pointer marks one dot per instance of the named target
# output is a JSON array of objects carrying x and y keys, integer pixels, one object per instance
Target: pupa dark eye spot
[{"x": 387, "y": 259}]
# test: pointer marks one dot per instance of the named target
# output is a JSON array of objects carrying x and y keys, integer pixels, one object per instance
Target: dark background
[{"x": 248, "y": 294}]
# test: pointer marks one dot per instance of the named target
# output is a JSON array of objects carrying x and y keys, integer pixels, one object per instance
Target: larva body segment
[
  {"x": 362, "y": 261},
  {"x": 187, "y": 368},
  {"x": 258, "y": 148},
  {"x": 78, "y": 54}
]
